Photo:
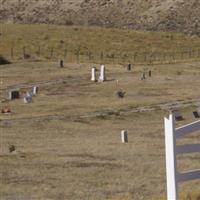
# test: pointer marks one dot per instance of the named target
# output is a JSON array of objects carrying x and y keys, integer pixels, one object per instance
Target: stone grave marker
[
  {"x": 35, "y": 90},
  {"x": 195, "y": 114},
  {"x": 124, "y": 136},
  {"x": 129, "y": 67},
  {"x": 61, "y": 63},
  {"x": 102, "y": 77},
  {"x": 14, "y": 94},
  {"x": 149, "y": 73},
  {"x": 177, "y": 115},
  {"x": 93, "y": 74},
  {"x": 143, "y": 76}
]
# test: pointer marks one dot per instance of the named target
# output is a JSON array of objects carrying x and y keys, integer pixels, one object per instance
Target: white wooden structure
[
  {"x": 172, "y": 150},
  {"x": 124, "y": 136}
]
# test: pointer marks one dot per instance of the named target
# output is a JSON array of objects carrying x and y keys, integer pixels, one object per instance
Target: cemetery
[
  {"x": 99, "y": 129},
  {"x": 61, "y": 126}
]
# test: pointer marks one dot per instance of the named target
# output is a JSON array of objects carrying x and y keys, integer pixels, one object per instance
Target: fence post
[
  {"x": 65, "y": 53},
  {"x": 171, "y": 168},
  {"x": 24, "y": 52},
  {"x": 102, "y": 57},
  {"x": 77, "y": 54},
  {"x": 51, "y": 53},
  {"x": 12, "y": 53},
  {"x": 39, "y": 51}
]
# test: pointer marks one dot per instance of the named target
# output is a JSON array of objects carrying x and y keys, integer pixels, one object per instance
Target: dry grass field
[
  {"x": 95, "y": 44},
  {"x": 68, "y": 140}
]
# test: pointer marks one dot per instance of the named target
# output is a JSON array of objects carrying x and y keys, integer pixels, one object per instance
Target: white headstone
[
  {"x": 93, "y": 74},
  {"x": 35, "y": 90},
  {"x": 102, "y": 77},
  {"x": 29, "y": 94},
  {"x": 27, "y": 99},
  {"x": 124, "y": 136}
]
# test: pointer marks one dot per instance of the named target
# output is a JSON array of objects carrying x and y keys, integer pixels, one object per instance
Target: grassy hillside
[
  {"x": 167, "y": 15},
  {"x": 95, "y": 44}
]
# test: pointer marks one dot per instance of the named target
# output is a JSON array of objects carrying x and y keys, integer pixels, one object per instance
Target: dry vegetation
[{"x": 94, "y": 44}]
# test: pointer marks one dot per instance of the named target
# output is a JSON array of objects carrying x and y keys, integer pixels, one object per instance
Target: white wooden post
[
  {"x": 170, "y": 145},
  {"x": 171, "y": 134},
  {"x": 93, "y": 74},
  {"x": 102, "y": 77},
  {"x": 124, "y": 136}
]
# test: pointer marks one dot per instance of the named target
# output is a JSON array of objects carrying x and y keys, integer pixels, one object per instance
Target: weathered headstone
[
  {"x": 102, "y": 77},
  {"x": 177, "y": 115},
  {"x": 27, "y": 99},
  {"x": 195, "y": 114},
  {"x": 143, "y": 76},
  {"x": 129, "y": 67},
  {"x": 14, "y": 94},
  {"x": 61, "y": 63},
  {"x": 149, "y": 73},
  {"x": 121, "y": 93},
  {"x": 93, "y": 74},
  {"x": 29, "y": 94},
  {"x": 124, "y": 136}
]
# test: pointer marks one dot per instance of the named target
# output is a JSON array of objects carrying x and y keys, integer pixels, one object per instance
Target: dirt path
[{"x": 164, "y": 106}]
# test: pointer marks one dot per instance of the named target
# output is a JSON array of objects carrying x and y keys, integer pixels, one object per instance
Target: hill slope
[{"x": 167, "y": 15}]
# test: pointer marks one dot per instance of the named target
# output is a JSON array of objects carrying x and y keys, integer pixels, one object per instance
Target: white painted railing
[{"x": 172, "y": 150}]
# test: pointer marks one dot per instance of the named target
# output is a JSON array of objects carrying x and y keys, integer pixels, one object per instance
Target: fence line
[
  {"x": 172, "y": 150},
  {"x": 79, "y": 55}
]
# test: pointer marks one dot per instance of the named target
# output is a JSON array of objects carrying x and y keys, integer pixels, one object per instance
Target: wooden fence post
[
  {"x": 11, "y": 52},
  {"x": 24, "y": 52},
  {"x": 65, "y": 53}
]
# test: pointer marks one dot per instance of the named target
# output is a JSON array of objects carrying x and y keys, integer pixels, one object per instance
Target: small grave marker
[
  {"x": 149, "y": 73},
  {"x": 195, "y": 114},
  {"x": 35, "y": 90},
  {"x": 121, "y": 93},
  {"x": 143, "y": 76},
  {"x": 61, "y": 63},
  {"x": 177, "y": 115},
  {"x": 129, "y": 67},
  {"x": 27, "y": 99},
  {"x": 102, "y": 77},
  {"x": 93, "y": 74},
  {"x": 124, "y": 136},
  {"x": 14, "y": 94}
]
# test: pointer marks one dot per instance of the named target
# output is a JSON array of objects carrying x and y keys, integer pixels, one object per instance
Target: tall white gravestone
[
  {"x": 124, "y": 136},
  {"x": 102, "y": 77},
  {"x": 93, "y": 74},
  {"x": 35, "y": 90}
]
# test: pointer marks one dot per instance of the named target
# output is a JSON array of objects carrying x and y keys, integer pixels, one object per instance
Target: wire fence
[{"x": 79, "y": 56}]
